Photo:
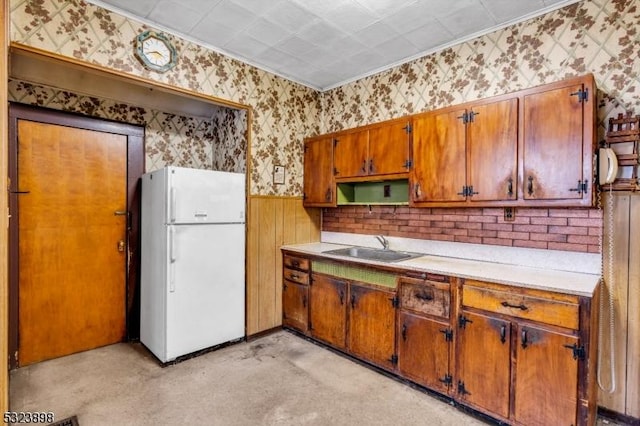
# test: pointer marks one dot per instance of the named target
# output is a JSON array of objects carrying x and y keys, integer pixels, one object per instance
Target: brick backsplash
[{"x": 553, "y": 228}]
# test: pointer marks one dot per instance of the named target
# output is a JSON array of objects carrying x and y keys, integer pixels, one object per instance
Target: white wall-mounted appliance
[{"x": 192, "y": 292}]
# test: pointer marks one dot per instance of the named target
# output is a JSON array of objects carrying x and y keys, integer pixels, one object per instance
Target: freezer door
[
  {"x": 205, "y": 196},
  {"x": 206, "y": 292}
]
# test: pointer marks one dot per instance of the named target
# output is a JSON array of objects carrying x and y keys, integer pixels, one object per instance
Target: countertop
[{"x": 568, "y": 282}]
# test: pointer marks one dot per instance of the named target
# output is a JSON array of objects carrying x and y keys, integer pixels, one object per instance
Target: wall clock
[{"x": 155, "y": 51}]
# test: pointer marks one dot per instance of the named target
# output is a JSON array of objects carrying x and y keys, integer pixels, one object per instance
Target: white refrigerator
[{"x": 192, "y": 290}]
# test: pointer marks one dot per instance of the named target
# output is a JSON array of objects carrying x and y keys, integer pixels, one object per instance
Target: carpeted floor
[{"x": 279, "y": 379}]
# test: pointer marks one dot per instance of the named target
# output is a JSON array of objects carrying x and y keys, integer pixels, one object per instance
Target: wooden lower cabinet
[
  {"x": 483, "y": 363},
  {"x": 423, "y": 351},
  {"x": 519, "y": 363},
  {"x": 295, "y": 310},
  {"x": 546, "y": 377},
  {"x": 522, "y": 356},
  {"x": 328, "y": 309},
  {"x": 372, "y": 315}
]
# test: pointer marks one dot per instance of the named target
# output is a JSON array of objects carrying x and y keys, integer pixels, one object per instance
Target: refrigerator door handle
[
  {"x": 172, "y": 259},
  {"x": 172, "y": 205}
]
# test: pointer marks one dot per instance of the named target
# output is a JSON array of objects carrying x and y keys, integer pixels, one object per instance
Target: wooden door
[
  {"x": 71, "y": 243},
  {"x": 389, "y": 148},
  {"x": 328, "y": 309},
  {"x": 439, "y": 153},
  {"x": 423, "y": 351},
  {"x": 350, "y": 155},
  {"x": 553, "y": 144},
  {"x": 318, "y": 183},
  {"x": 492, "y": 151},
  {"x": 484, "y": 363},
  {"x": 372, "y": 325},
  {"x": 295, "y": 311},
  {"x": 546, "y": 378}
]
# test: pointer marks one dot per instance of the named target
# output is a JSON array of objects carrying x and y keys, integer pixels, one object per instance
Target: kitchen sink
[{"x": 373, "y": 254}]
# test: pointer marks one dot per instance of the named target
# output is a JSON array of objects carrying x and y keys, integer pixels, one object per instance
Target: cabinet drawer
[
  {"x": 425, "y": 297},
  {"x": 300, "y": 277},
  {"x": 537, "y": 308},
  {"x": 296, "y": 262}
]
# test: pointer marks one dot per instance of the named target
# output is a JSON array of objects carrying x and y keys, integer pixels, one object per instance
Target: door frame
[{"x": 135, "y": 169}]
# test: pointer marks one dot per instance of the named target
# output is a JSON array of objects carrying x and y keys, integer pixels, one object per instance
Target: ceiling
[{"x": 327, "y": 43}]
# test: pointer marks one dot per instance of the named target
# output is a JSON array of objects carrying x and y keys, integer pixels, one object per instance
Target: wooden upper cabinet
[
  {"x": 558, "y": 142},
  {"x": 466, "y": 155},
  {"x": 389, "y": 148},
  {"x": 319, "y": 185},
  {"x": 439, "y": 150},
  {"x": 492, "y": 151},
  {"x": 350, "y": 154},
  {"x": 380, "y": 150}
]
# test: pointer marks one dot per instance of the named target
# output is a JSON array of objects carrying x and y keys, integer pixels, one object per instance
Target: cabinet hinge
[
  {"x": 471, "y": 115},
  {"x": 448, "y": 334},
  {"x": 408, "y": 129},
  {"x": 447, "y": 380},
  {"x": 394, "y": 359},
  {"x": 335, "y": 142},
  {"x": 582, "y": 94},
  {"x": 461, "y": 389},
  {"x": 581, "y": 187},
  {"x": 578, "y": 351},
  {"x": 395, "y": 302},
  {"x": 464, "y": 117},
  {"x": 462, "y": 321},
  {"x": 408, "y": 164},
  {"x": 304, "y": 196}
]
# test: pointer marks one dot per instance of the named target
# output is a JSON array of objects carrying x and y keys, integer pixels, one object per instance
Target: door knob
[{"x": 121, "y": 245}]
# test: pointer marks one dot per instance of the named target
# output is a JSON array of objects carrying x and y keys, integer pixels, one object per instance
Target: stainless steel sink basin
[{"x": 373, "y": 254}]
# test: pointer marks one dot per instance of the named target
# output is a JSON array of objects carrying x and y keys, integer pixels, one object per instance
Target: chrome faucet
[{"x": 383, "y": 241}]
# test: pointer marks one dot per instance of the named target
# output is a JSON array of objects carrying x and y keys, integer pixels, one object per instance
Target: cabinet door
[
  {"x": 350, "y": 155},
  {"x": 439, "y": 153},
  {"x": 553, "y": 144},
  {"x": 423, "y": 351},
  {"x": 318, "y": 173},
  {"x": 389, "y": 148},
  {"x": 492, "y": 149},
  {"x": 295, "y": 313},
  {"x": 328, "y": 309},
  {"x": 546, "y": 377},
  {"x": 484, "y": 362},
  {"x": 372, "y": 325}
]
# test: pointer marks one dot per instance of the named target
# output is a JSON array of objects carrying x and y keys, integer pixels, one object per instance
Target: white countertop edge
[
  {"x": 589, "y": 263},
  {"x": 576, "y": 283}
]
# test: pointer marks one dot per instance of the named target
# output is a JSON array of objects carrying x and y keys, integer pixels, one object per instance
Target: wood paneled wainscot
[
  {"x": 522, "y": 356},
  {"x": 272, "y": 222}
]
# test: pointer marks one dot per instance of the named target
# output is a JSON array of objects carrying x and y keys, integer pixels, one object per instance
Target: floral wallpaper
[
  {"x": 170, "y": 139},
  {"x": 283, "y": 112},
  {"x": 230, "y": 140},
  {"x": 592, "y": 36}
]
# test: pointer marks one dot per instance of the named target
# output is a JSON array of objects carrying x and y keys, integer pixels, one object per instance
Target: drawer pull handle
[
  {"x": 294, "y": 277},
  {"x": 525, "y": 342},
  {"x": 424, "y": 296},
  {"x": 521, "y": 306},
  {"x": 295, "y": 264}
]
